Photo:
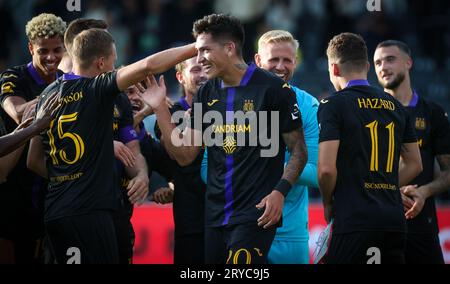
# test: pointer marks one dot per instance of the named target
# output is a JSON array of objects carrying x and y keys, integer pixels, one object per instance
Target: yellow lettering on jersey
[
  {"x": 60, "y": 179},
  {"x": 231, "y": 128},
  {"x": 385, "y": 186},
  {"x": 375, "y": 103},
  {"x": 420, "y": 142},
  {"x": 7, "y": 76},
  {"x": 7, "y": 88},
  {"x": 115, "y": 126},
  {"x": 73, "y": 97}
]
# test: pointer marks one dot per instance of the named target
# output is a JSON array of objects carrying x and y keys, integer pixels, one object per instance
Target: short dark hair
[
  {"x": 350, "y": 51},
  {"x": 221, "y": 27},
  {"x": 400, "y": 44},
  {"x": 77, "y": 26},
  {"x": 91, "y": 44}
]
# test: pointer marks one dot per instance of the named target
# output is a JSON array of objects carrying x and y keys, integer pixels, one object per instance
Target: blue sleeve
[
  {"x": 309, "y": 106},
  {"x": 204, "y": 168}
]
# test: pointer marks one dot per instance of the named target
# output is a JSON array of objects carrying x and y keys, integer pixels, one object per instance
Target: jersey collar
[
  {"x": 184, "y": 103},
  {"x": 247, "y": 76},
  {"x": 33, "y": 72},
  {"x": 353, "y": 83},
  {"x": 414, "y": 100},
  {"x": 70, "y": 76}
]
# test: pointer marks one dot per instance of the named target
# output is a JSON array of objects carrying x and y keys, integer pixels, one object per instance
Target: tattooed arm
[
  {"x": 273, "y": 202},
  {"x": 440, "y": 184},
  {"x": 295, "y": 142}
]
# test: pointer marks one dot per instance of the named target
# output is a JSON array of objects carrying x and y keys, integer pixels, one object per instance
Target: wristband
[{"x": 283, "y": 186}]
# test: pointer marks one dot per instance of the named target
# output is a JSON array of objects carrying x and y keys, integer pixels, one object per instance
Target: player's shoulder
[
  {"x": 55, "y": 86},
  {"x": 14, "y": 74},
  {"x": 18, "y": 70},
  {"x": 334, "y": 98},
  {"x": 430, "y": 105},
  {"x": 210, "y": 87},
  {"x": 264, "y": 77},
  {"x": 437, "y": 112}
]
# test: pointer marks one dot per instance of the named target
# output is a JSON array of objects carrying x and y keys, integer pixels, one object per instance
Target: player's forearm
[
  {"x": 295, "y": 143},
  {"x": 439, "y": 185},
  {"x": 327, "y": 184},
  {"x": 153, "y": 64},
  {"x": 36, "y": 158},
  {"x": 166, "y": 59},
  {"x": 175, "y": 141},
  {"x": 12, "y": 141},
  {"x": 8, "y": 162},
  {"x": 140, "y": 167},
  {"x": 408, "y": 171}
]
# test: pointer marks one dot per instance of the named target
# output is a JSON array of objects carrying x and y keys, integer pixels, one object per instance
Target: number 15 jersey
[
  {"x": 79, "y": 147},
  {"x": 371, "y": 127}
]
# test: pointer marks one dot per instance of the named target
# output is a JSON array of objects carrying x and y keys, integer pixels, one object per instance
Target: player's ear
[
  {"x": 30, "y": 48},
  {"x": 231, "y": 46},
  {"x": 100, "y": 63},
  {"x": 335, "y": 70},
  {"x": 409, "y": 63},
  {"x": 258, "y": 60},
  {"x": 180, "y": 77}
]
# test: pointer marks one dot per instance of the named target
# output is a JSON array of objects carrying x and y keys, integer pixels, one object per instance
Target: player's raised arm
[
  {"x": 153, "y": 64},
  {"x": 179, "y": 145}
]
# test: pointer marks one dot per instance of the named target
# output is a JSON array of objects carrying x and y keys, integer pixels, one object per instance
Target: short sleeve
[
  {"x": 440, "y": 131},
  {"x": 329, "y": 119},
  {"x": 286, "y": 103},
  {"x": 10, "y": 86},
  {"x": 105, "y": 87},
  {"x": 410, "y": 133}
]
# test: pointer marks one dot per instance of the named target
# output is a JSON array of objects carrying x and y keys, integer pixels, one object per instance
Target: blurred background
[{"x": 143, "y": 27}]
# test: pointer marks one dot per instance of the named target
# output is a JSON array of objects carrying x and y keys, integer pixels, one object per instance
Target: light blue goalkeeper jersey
[{"x": 295, "y": 210}]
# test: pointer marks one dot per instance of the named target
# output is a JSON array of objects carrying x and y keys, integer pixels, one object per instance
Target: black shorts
[
  {"x": 189, "y": 249},
  {"x": 238, "y": 244},
  {"x": 124, "y": 233},
  {"x": 423, "y": 249},
  {"x": 84, "y": 239},
  {"x": 366, "y": 248}
]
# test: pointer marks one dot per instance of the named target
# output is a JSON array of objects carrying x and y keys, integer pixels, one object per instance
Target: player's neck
[
  {"x": 234, "y": 74},
  {"x": 352, "y": 77},
  {"x": 47, "y": 78},
  {"x": 188, "y": 97},
  {"x": 87, "y": 73},
  {"x": 403, "y": 93}
]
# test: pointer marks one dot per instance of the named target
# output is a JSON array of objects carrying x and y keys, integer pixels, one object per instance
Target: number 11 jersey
[{"x": 371, "y": 127}]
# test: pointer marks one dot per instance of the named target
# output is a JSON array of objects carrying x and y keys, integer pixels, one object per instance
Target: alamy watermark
[
  {"x": 374, "y": 254},
  {"x": 74, "y": 255},
  {"x": 237, "y": 129},
  {"x": 73, "y": 5},
  {"x": 373, "y": 5}
]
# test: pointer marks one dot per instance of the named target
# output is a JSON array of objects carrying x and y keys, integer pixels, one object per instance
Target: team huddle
[{"x": 75, "y": 156}]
